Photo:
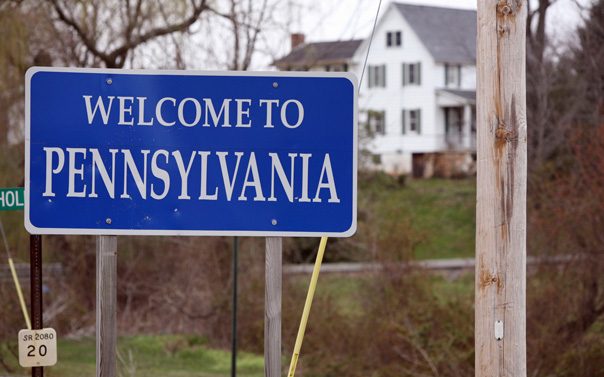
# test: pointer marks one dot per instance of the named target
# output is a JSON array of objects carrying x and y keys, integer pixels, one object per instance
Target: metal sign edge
[{"x": 32, "y": 229}]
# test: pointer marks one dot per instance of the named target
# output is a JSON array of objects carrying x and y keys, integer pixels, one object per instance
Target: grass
[
  {"x": 446, "y": 211},
  {"x": 342, "y": 291},
  {"x": 188, "y": 355},
  {"x": 438, "y": 214},
  {"x": 153, "y": 356}
]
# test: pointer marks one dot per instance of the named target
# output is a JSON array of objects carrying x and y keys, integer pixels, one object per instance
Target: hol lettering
[{"x": 10, "y": 199}]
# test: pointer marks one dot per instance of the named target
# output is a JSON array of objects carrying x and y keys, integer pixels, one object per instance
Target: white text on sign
[
  {"x": 11, "y": 198},
  {"x": 127, "y": 107},
  {"x": 82, "y": 182}
]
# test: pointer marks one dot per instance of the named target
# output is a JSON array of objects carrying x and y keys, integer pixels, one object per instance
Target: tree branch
[
  {"x": 88, "y": 42},
  {"x": 117, "y": 57},
  {"x": 121, "y": 52}
]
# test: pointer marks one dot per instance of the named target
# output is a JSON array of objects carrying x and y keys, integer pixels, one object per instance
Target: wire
[
  {"x": 319, "y": 260},
  {"x": 369, "y": 47}
]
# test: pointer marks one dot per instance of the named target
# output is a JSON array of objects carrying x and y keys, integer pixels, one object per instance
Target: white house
[{"x": 418, "y": 92}]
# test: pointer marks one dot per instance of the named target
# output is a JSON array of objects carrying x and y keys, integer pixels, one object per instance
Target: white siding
[
  {"x": 468, "y": 77},
  {"x": 394, "y": 148}
]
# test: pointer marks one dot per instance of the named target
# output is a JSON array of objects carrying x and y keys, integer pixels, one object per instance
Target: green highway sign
[{"x": 11, "y": 198}]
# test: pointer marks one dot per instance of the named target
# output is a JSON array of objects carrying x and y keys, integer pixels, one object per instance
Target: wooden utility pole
[{"x": 501, "y": 189}]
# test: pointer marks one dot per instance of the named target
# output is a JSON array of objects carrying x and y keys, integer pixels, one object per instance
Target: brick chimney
[{"x": 297, "y": 39}]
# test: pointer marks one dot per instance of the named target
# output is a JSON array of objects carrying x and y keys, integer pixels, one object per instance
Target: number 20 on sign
[{"x": 37, "y": 348}]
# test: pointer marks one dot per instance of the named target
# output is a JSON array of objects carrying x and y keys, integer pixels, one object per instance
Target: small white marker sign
[{"x": 38, "y": 348}]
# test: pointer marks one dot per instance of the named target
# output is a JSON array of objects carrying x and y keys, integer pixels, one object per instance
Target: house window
[
  {"x": 452, "y": 75},
  {"x": 412, "y": 73},
  {"x": 377, "y": 122},
  {"x": 376, "y": 76},
  {"x": 394, "y": 38},
  {"x": 412, "y": 121}
]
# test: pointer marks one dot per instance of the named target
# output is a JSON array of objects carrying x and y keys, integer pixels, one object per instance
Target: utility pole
[{"x": 500, "y": 330}]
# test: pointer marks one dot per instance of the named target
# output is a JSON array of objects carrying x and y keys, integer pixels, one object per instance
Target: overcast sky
[
  {"x": 330, "y": 20},
  {"x": 345, "y": 19}
]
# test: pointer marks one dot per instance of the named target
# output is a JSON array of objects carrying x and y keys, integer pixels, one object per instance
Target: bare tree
[
  {"x": 550, "y": 112},
  {"x": 535, "y": 34},
  {"x": 246, "y": 19},
  {"x": 246, "y": 34},
  {"x": 108, "y": 33},
  {"x": 567, "y": 218},
  {"x": 587, "y": 58},
  {"x": 13, "y": 52},
  {"x": 111, "y": 31}
]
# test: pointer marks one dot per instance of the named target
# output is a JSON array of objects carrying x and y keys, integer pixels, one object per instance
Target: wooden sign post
[
  {"x": 106, "y": 305},
  {"x": 501, "y": 189},
  {"x": 272, "y": 307}
]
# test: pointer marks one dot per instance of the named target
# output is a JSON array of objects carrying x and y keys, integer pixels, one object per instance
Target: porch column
[{"x": 467, "y": 127}]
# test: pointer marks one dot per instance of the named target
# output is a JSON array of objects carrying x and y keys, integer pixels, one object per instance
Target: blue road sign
[{"x": 190, "y": 153}]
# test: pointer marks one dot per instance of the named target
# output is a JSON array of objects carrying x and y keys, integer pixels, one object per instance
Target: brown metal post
[{"x": 35, "y": 263}]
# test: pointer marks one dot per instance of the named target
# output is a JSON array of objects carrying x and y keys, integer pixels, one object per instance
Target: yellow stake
[
  {"x": 25, "y": 314},
  {"x": 12, "y": 270},
  {"x": 307, "y": 304}
]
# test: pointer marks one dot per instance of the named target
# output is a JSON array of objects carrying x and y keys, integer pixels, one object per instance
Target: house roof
[
  {"x": 310, "y": 54},
  {"x": 455, "y": 97},
  {"x": 465, "y": 94},
  {"x": 449, "y": 34}
]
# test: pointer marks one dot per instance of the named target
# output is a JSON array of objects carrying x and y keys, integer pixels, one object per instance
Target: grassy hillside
[{"x": 434, "y": 218}]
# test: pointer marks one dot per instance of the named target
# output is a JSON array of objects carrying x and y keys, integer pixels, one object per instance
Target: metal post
[
  {"x": 234, "y": 332},
  {"x": 35, "y": 262},
  {"x": 272, "y": 307},
  {"x": 500, "y": 333},
  {"x": 106, "y": 305}
]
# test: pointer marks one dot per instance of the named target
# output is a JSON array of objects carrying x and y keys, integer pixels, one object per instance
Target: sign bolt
[
  {"x": 275, "y": 85},
  {"x": 108, "y": 221},
  {"x": 109, "y": 81},
  {"x": 274, "y": 222}
]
